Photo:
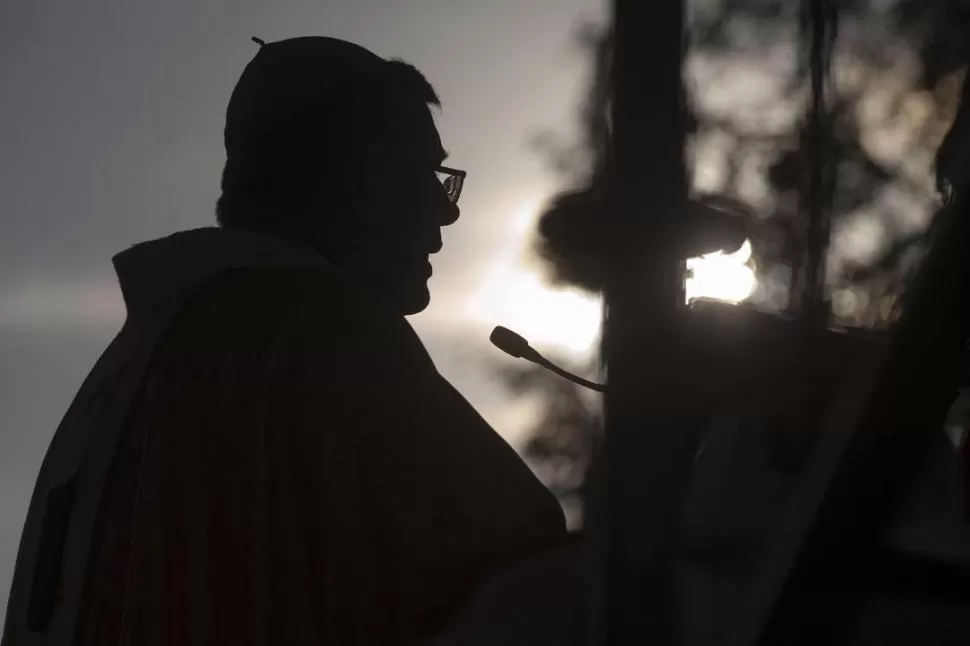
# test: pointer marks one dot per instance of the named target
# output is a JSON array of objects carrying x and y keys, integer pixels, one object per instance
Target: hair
[{"x": 261, "y": 186}]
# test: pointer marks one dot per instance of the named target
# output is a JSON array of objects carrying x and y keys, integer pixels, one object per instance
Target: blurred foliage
[
  {"x": 886, "y": 126},
  {"x": 892, "y": 91}
]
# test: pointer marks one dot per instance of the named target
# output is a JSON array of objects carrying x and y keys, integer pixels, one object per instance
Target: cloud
[{"x": 53, "y": 303}]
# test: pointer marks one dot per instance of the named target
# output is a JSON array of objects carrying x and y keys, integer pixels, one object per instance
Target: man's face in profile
[{"x": 399, "y": 206}]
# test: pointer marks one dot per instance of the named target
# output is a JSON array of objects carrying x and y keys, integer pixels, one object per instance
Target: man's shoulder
[
  {"x": 309, "y": 305},
  {"x": 283, "y": 290},
  {"x": 282, "y": 283}
]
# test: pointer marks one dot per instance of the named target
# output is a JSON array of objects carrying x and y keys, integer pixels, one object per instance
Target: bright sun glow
[
  {"x": 515, "y": 295},
  {"x": 721, "y": 276},
  {"x": 545, "y": 316}
]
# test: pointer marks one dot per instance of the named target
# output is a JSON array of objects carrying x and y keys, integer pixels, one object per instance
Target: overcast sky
[{"x": 111, "y": 131}]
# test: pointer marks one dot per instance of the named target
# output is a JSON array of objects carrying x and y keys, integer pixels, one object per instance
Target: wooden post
[{"x": 650, "y": 431}]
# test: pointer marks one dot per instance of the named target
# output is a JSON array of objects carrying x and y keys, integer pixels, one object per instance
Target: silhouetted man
[{"x": 266, "y": 454}]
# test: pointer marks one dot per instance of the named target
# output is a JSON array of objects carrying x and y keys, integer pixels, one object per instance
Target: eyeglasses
[{"x": 452, "y": 180}]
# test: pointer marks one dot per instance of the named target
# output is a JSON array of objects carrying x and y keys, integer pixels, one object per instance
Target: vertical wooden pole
[{"x": 650, "y": 428}]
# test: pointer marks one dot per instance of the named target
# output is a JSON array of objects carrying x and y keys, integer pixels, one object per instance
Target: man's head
[{"x": 329, "y": 142}]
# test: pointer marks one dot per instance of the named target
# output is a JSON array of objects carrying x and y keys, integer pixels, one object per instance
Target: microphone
[{"x": 516, "y": 346}]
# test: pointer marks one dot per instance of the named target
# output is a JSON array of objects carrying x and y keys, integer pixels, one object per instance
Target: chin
[{"x": 413, "y": 301}]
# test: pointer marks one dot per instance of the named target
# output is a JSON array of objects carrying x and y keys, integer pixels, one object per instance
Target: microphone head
[{"x": 510, "y": 343}]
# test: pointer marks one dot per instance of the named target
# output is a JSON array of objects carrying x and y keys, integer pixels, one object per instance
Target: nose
[{"x": 449, "y": 213}]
